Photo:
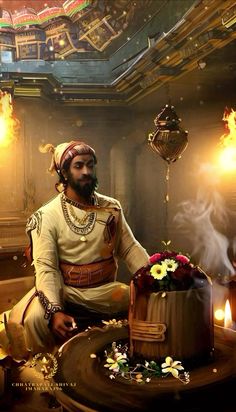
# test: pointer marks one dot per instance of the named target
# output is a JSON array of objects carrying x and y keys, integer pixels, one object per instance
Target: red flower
[
  {"x": 181, "y": 273},
  {"x": 154, "y": 258},
  {"x": 183, "y": 259}
]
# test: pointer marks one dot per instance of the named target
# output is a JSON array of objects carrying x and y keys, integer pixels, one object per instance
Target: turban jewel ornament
[{"x": 169, "y": 141}]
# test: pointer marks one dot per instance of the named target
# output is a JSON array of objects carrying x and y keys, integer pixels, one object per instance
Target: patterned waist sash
[{"x": 89, "y": 275}]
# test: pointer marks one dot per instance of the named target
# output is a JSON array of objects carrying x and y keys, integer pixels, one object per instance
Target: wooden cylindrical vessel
[{"x": 172, "y": 323}]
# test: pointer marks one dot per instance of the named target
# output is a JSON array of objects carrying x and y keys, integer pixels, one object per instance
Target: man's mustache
[{"x": 86, "y": 178}]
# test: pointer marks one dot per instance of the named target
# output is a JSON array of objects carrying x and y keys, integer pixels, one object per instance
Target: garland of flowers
[{"x": 118, "y": 363}]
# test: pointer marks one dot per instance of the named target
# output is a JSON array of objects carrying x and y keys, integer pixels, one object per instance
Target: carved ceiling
[
  {"x": 126, "y": 50},
  {"x": 55, "y": 30}
]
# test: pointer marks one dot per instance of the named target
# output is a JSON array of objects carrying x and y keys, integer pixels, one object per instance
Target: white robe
[{"x": 54, "y": 241}]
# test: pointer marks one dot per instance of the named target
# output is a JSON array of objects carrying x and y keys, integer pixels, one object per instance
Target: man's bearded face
[{"x": 81, "y": 176}]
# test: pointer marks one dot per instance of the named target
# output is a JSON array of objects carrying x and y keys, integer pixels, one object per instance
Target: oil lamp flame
[
  {"x": 228, "y": 317},
  {"x": 228, "y": 142},
  {"x": 9, "y": 125}
]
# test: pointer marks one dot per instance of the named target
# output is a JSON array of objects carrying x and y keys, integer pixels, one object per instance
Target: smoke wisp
[{"x": 204, "y": 221}]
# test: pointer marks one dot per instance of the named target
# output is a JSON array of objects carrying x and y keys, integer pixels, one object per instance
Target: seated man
[{"x": 76, "y": 239}]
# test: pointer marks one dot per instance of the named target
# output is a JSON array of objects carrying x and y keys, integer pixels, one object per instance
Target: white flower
[
  {"x": 171, "y": 264},
  {"x": 171, "y": 366}
]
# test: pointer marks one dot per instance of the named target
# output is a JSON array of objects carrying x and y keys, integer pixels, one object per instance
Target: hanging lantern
[{"x": 168, "y": 140}]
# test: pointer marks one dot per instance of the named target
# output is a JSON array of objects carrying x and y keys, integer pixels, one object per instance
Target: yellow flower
[
  {"x": 114, "y": 364},
  {"x": 171, "y": 366},
  {"x": 159, "y": 271},
  {"x": 171, "y": 264}
]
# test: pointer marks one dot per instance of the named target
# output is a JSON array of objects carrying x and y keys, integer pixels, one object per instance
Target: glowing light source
[
  {"x": 9, "y": 125},
  {"x": 61, "y": 42},
  {"x": 228, "y": 323},
  {"x": 219, "y": 314},
  {"x": 227, "y": 157}
]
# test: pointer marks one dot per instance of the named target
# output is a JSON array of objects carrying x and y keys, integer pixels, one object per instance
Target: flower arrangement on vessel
[{"x": 168, "y": 271}]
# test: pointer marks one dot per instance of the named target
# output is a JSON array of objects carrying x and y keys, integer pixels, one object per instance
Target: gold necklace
[
  {"x": 80, "y": 221},
  {"x": 81, "y": 229},
  {"x": 80, "y": 205}
]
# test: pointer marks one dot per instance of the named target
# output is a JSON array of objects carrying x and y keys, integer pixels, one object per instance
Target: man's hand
[{"x": 62, "y": 325}]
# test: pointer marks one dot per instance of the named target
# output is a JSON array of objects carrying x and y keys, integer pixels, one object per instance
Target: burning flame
[
  {"x": 228, "y": 317},
  {"x": 228, "y": 141},
  {"x": 9, "y": 125}
]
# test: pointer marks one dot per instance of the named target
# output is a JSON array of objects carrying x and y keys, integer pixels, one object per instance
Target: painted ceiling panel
[
  {"x": 37, "y": 5},
  {"x": 111, "y": 51},
  {"x": 60, "y": 30}
]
